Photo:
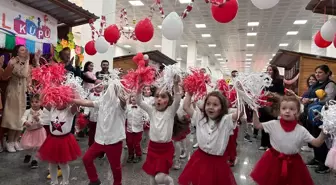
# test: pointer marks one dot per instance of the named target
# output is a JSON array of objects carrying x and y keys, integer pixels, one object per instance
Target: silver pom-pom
[
  {"x": 166, "y": 81},
  {"x": 327, "y": 115},
  {"x": 76, "y": 84}
]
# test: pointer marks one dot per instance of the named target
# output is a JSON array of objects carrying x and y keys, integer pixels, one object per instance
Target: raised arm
[
  {"x": 142, "y": 104},
  {"x": 256, "y": 122},
  {"x": 83, "y": 103},
  {"x": 187, "y": 105}
]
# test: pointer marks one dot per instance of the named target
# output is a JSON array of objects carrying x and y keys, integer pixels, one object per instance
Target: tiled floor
[{"x": 14, "y": 172}]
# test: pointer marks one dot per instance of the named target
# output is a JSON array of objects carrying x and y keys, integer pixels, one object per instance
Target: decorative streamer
[
  {"x": 129, "y": 34},
  {"x": 75, "y": 83},
  {"x": 216, "y": 3},
  {"x": 187, "y": 10},
  {"x": 93, "y": 29},
  {"x": 328, "y": 113},
  {"x": 166, "y": 81}
]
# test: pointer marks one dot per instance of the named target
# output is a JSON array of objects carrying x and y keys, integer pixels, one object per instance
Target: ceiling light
[
  {"x": 270, "y": 59},
  {"x": 247, "y": 63},
  {"x": 252, "y": 34},
  {"x": 218, "y": 55},
  {"x": 248, "y": 59},
  {"x": 212, "y": 45},
  {"x": 178, "y": 59},
  {"x": 136, "y": 3},
  {"x": 273, "y": 55},
  {"x": 292, "y": 33},
  {"x": 128, "y": 28},
  {"x": 160, "y": 27},
  {"x": 184, "y": 46},
  {"x": 220, "y": 59},
  {"x": 283, "y": 44},
  {"x": 249, "y": 55},
  {"x": 157, "y": 46},
  {"x": 127, "y": 46},
  {"x": 185, "y": 1},
  {"x": 249, "y": 45},
  {"x": 200, "y": 25},
  {"x": 300, "y": 22},
  {"x": 206, "y": 35},
  {"x": 253, "y": 24}
]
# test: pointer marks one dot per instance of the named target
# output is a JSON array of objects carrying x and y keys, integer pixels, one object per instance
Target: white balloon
[
  {"x": 328, "y": 30},
  {"x": 172, "y": 26},
  {"x": 101, "y": 45},
  {"x": 265, "y": 4}
]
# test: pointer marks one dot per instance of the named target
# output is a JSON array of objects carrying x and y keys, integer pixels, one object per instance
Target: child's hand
[{"x": 27, "y": 124}]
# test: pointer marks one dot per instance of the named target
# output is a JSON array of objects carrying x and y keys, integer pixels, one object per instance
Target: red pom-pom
[
  {"x": 57, "y": 96},
  {"x": 49, "y": 75},
  {"x": 134, "y": 80},
  {"x": 196, "y": 83},
  {"x": 82, "y": 121},
  {"x": 228, "y": 92}
]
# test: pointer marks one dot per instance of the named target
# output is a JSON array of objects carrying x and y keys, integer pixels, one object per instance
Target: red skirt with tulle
[
  {"x": 280, "y": 169},
  {"x": 159, "y": 158},
  {"x": 59, "y": 149},
  {"x": 206, "y": 169}
]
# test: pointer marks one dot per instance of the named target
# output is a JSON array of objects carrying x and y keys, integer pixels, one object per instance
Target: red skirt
[
  {"x": 231, "y": 149},
  {"x": 59, "y": 149},
  {"x": 206, "y": 169},
  {"x": 280, "y": 169},
  {"x": 159, "y": 158}
]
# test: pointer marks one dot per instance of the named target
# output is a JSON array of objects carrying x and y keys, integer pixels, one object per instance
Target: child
[
  {"x": 110, "y": 132},
  {"x": 61, "y": 146},
  {"x": 35, "y": 134},
  {"x": 282, "y": 164},
  {"x": 149, "y": 99},
  {"x": 180, "y": 132},
  {"x": 160, "y": 148},
  {"x": 208, "y": 165},
  {"x": 134, "y": 127},
  {"x": 93, "y": 112}
]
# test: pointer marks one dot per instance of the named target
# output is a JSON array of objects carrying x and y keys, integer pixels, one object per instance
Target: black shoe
[
  {"x": 137, "y": 159},
  {"x": 247, "y": 138},
  {"x": 130, "y": 160},
  {"x": 95, "y": 183},
  {"x": 27, "y": 159},
  {"x": 313, "y": 163},
  {"x": 322, "y": 169},
  {"x": 34, "y": 164}
]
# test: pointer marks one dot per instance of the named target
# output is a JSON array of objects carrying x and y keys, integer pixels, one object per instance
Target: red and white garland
[
  {"x": 152, "y": 9},
  {"x": 187, "y": 10},
  {"x": 93, "y": 29},
  {"x": 215, "y": 3},
  {"x": 129, "y": 34}
]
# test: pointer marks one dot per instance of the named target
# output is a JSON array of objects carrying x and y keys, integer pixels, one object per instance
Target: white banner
[{"x": 26, "y": 22}]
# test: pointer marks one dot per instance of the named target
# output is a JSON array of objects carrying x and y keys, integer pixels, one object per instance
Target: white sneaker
[
  {"x": 183, "y": 154},
  {"x": 54, "y": 183},
  {"x": 177, "y": 165},
  {"x": 18, "y": 146},
  {"x": 195, "y": 145},
  {"x": 65, "y": 183},
  {"x": 10, "y": 147}
]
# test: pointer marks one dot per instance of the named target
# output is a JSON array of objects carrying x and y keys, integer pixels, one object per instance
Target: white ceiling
[{"x": 231, "y": 38}]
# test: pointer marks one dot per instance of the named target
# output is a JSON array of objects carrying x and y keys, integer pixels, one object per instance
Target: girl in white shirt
[
  {"x": 35, "y": 134},
  {"x": 208, "y": 165},
  {"x": 160, "y": 148},
  {"x": 61, "y": 146},
  {"x": 135, "y": 118},
  {"x": 282, "y": 164}
]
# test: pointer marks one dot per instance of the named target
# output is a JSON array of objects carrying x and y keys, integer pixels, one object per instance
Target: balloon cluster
[{"x": 326, "y": 35}]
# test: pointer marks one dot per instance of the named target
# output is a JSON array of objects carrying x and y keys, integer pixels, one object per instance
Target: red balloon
[
  {"x": 320, "y": 42},
  {"x": 112, "y": 34},
  {"x": 144, "y": 30},
  {"x": 225, "y": 13},
  {"x": 90, "y": 48}
]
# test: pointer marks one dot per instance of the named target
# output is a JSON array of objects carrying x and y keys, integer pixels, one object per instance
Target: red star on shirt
[{"x": 56, "y": 125}]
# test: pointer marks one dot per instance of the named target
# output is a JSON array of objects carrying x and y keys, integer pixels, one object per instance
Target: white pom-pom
[
  {"x": 166, "y": 81},
  {"x": 328, "y": 113},
  {"x": 75, "y": 83},
  {"x": 146, "y": 57},
  {"x": 249, "y": 88}
]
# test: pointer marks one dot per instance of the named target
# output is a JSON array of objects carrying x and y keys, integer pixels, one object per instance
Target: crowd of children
[{"x": 161, "y": 124}]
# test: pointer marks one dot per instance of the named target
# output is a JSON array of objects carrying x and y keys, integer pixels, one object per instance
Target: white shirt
[
  {"x": 28, "y": 117},
  {"x": 93, "y": 111},
  {"x": 45, "y": 117},
  {"x": 212, "y": 137},
  {"x": 61, "y": 121},
  {"x": 135, "y": 118},
  {"x": 111, "y": 118},
  {"x": 161, "y": 123},
  {"x": 287, "y": 142}
]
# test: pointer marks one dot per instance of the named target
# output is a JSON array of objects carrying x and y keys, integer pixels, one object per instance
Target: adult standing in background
[
  {"x": 18, "y": 75},
  {"x": 104, "y": 70}
]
